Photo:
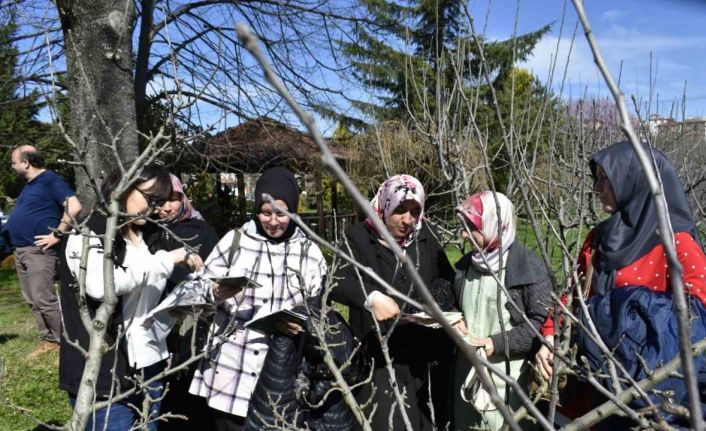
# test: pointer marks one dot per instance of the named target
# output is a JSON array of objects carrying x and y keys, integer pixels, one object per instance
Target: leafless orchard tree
[
  {"x": 190, "y": 61},
  {"x": 130, "y": 66},
  {"x": 553, "y": 184}
]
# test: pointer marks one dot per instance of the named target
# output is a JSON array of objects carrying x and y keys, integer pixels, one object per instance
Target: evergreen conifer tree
[
  {"x": 411, "y": 47},
  {"x": 19, "y": 107},
  {"x": 17, "y": 111}
]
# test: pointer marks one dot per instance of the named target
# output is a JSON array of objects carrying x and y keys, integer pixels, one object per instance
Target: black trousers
[
  {"x": 421, "y": 359},
  {"x": 223, "y": 421}
]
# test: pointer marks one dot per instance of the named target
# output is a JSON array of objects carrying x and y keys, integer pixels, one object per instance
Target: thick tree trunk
[
  {"x": 98, "y": 44},
  {"x": 144, "y": 45}
]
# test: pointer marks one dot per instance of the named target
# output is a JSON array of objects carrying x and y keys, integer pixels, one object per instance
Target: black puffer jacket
[{"x": 294, "y": 379}]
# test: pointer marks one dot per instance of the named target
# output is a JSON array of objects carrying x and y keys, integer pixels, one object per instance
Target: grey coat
[{"x": 529, "y": 287}]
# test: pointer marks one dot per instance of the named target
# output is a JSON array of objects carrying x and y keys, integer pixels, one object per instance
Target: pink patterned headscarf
[
  {"x": 481, "y": 212},
  {"x": 391, "y": 194}
]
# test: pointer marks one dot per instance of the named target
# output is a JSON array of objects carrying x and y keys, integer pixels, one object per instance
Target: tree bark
[
  {"x": 144, "y": 47},
  {"x": 242, "y": 208},
  {"x": 98, "y": 44}
]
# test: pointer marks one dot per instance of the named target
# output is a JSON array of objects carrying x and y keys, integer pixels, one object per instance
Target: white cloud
[
  {"x": 550, "y": 50},
  {"x": 612, "y": 15},
  {"x": 622, "y": 48},
  {"x": 629, "y": 43}
]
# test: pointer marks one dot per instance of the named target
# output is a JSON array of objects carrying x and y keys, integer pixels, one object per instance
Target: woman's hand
[
  {"x": 192, "y": 260},
  {"x": 221, "y": 293},
  {"x": 461, "y": 326},
  {"x": 288, "y": 328},
  {"x": 384, "y": 307},
  {"x": 485, "y": 343},
  {"x": 544, "y": 359}
]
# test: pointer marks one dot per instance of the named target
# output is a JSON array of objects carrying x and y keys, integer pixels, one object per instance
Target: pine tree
[
  {"x": 411, "y": 47},
  {"x": 18, "y": 111}
]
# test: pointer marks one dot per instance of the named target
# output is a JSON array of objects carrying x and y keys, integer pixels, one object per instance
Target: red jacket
[{"x": 651, "y": 270}]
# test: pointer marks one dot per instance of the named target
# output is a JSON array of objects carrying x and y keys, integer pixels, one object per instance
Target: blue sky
[
  {"x": 673, "y": 31},
  {"x": 628, "y": 31}
]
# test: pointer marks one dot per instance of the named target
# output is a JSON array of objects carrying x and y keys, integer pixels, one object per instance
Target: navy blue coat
[{"x": 635, "y": 322}]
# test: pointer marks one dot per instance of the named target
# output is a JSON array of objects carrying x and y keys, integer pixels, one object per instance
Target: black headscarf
[
  {"x": 631, "y": 232},
  {"x": 280, "y": 184}
]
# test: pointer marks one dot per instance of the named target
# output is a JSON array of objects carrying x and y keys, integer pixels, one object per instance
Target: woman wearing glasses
[{"x": 139, "y": 279}]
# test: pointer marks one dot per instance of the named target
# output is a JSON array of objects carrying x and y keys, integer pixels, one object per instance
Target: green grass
[
  {"x": 525, "y": 235},
  {"x": 453, "y": 253},
  {"x": 32, "y": 386}
]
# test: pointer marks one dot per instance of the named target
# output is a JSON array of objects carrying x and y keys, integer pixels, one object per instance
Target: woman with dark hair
[
  {"x": 416, "y": 352},
  {"x": 289, "y": 268},
  {"x": 139, "y": 280},
  {"x": 626, "y": 276}
]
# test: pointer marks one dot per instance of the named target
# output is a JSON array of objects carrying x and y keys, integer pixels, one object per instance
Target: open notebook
[
  {"x": 265, "y": 322},
  {"x": 424, "y": 319}
]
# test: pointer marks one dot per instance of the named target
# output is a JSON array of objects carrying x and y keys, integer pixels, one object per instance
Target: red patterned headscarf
[{"x": 480, "y": 211}]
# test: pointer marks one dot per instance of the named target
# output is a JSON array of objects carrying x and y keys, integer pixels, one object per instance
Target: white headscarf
[{"x": 481, "y": 212}]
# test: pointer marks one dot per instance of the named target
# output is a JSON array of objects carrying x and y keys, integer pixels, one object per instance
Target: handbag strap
[
  {"x": 233, "y": 247},
  {"x": 587, "y": 284}
]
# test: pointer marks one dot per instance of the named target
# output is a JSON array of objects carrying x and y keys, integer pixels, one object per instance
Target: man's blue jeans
[{"x": 122, "y": 416}]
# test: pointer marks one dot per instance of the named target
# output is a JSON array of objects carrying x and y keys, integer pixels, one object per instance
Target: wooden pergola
[{"x": 259, "y": 144}]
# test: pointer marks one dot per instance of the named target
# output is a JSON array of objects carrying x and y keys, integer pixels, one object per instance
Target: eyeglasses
[{"x": 152, "y": 201}]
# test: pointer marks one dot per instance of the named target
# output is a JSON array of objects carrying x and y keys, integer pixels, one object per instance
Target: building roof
[{"x": 261, "y": 143}]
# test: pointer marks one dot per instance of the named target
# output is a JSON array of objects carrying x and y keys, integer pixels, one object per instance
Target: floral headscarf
[
  {"x": 391, "y": 194},
  {"x": 187, "y": 210},
  {"x": 481, "y": 212}
]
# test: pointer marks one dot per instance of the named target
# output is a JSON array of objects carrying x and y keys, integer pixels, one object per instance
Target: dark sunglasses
[{"x": 152, "y": 201}]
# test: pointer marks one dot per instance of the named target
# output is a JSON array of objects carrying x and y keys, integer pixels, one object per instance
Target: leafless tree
[{"x": 187, "y": 57}]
